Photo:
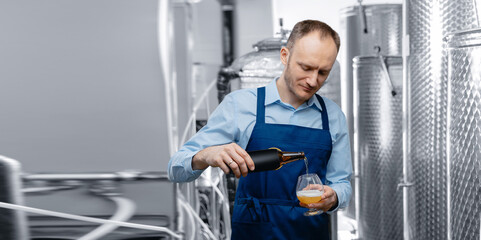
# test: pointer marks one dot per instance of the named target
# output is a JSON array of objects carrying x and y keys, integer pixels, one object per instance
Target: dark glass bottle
[{"x": 273, "y": 159}]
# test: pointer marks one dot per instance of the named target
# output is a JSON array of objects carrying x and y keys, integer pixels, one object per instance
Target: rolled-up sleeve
[
  {"x": 220, "y": 129},
  {"x": 339, "y": 167}
]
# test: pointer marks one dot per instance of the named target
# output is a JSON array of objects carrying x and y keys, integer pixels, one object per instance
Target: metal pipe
[
  {"x": 119, "y": 176},
  {"x": 448, "y": 153},
  {"x": 164, "y": 46},
  {"x": 355, "y": 137},
  {"x": 406, "y": 99},
  {"x": 223, "y": 82}
]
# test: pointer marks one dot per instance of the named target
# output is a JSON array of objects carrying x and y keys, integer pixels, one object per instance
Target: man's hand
[
  {"x": 329, "y": 199},
  {"x": 224, "y": 156}
]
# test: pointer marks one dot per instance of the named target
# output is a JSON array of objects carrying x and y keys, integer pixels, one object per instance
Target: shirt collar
[{"x": 272, "y": 96}]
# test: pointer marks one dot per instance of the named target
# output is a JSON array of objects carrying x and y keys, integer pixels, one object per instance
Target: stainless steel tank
[
  {"x": 429, "y": 22},
  {"x": 253, "y": 69},
  {"x": 378, "y": 140},
  {"x": 464, "y": 133},
  {"x": 259, "y": 67},
  {"x": 365, "y": 30}
]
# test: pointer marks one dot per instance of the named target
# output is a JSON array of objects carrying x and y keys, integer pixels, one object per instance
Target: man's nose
[{"x": 312, "y": 79}]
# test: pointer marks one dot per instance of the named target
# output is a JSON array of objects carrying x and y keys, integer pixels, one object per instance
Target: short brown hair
[{"x": 307, "y": 26}]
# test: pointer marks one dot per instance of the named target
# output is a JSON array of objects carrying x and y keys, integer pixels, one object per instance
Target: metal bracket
[{"x": 404, "y": 184}]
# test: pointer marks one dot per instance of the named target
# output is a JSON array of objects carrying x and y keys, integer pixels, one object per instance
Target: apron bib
[{"x": 266, "y": 206}]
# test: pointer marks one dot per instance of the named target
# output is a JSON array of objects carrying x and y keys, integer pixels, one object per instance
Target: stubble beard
[{"x": 290, "y": 83}]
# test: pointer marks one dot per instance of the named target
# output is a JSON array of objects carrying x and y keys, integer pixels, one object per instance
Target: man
[{"x": 286, "y": 114}]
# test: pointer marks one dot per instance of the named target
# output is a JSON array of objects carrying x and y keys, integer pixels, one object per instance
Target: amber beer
[
  {"x": 310, "y": 196},
  {"x": 273, "y": 159}
]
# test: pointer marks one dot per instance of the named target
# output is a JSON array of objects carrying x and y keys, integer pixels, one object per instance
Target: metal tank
[
  {"x": 464, "y": 135},
  {"x": 378, "y": 143},
  {"x": 366, "y": 30},
  {"x": 429, "y": 22},
  {"x": 253, "y": 69}
]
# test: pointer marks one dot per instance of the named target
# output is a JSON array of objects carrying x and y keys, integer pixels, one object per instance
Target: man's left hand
[{"x": 329, "y": 199}]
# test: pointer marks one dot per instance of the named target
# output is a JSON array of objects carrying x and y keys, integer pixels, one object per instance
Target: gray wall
[
  {"x": 252, "y": 23},
  {"x": 81, "y": 87}
]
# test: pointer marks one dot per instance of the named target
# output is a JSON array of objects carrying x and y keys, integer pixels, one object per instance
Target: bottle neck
[{"x": 288, "y": 157}]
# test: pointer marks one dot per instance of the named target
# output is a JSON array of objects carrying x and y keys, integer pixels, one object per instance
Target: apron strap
[
  {"x": 325, "y": 118},
  {"x": 261, "y": 114},
  {"x": 261, "y": 99}
]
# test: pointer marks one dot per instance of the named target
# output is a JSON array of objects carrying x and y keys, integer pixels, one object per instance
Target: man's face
[{"x": 309, "y": 62}]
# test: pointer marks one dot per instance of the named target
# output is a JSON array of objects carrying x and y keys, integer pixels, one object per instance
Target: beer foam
[{"x": 310, "y": 193}]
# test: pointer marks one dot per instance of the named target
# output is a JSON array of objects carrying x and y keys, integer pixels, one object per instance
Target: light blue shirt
[{"x": 234, "y": 119}]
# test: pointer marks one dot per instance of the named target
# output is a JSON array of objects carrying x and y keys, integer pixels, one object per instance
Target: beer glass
[{"x": 309, "y": 190}]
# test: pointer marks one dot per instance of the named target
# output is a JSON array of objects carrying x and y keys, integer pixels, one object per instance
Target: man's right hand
[{"x": 228, "y": 156}]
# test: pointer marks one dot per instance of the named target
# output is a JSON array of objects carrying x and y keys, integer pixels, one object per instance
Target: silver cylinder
[
  {"x": 384, "y": 34},
  {"x": 378, "y": 142},
  {"x": 429, "y": 22},
  {"x": 13, "y": 224},
  {"x": 464, "y": 135}
]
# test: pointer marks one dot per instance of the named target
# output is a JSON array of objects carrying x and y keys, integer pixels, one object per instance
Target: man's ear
[{"x": 284, "y": 55}]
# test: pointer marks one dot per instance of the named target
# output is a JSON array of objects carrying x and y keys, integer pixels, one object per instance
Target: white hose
[
  {"x": 193, "y": 213},
  {"x": 125, "y": 210},
  {"x": 88, "y": 219},
  {"x": 192, "y": 223},
  {"x": 181, "y": 216},
  {"x": 221, "y": 193},
  {"x": 180, "y": 200},
  {"x": 226, "y": 209}
]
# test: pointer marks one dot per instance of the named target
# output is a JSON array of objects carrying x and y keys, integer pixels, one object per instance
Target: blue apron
[{"x": 266, "y": 206}]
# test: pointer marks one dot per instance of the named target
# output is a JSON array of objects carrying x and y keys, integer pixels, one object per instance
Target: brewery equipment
[
  {"x": 429, "y": 22},
  {"x": 464, "y": 135},
  {"x": 378, "y": 140},
  {"x": 365, "y": 30}
]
